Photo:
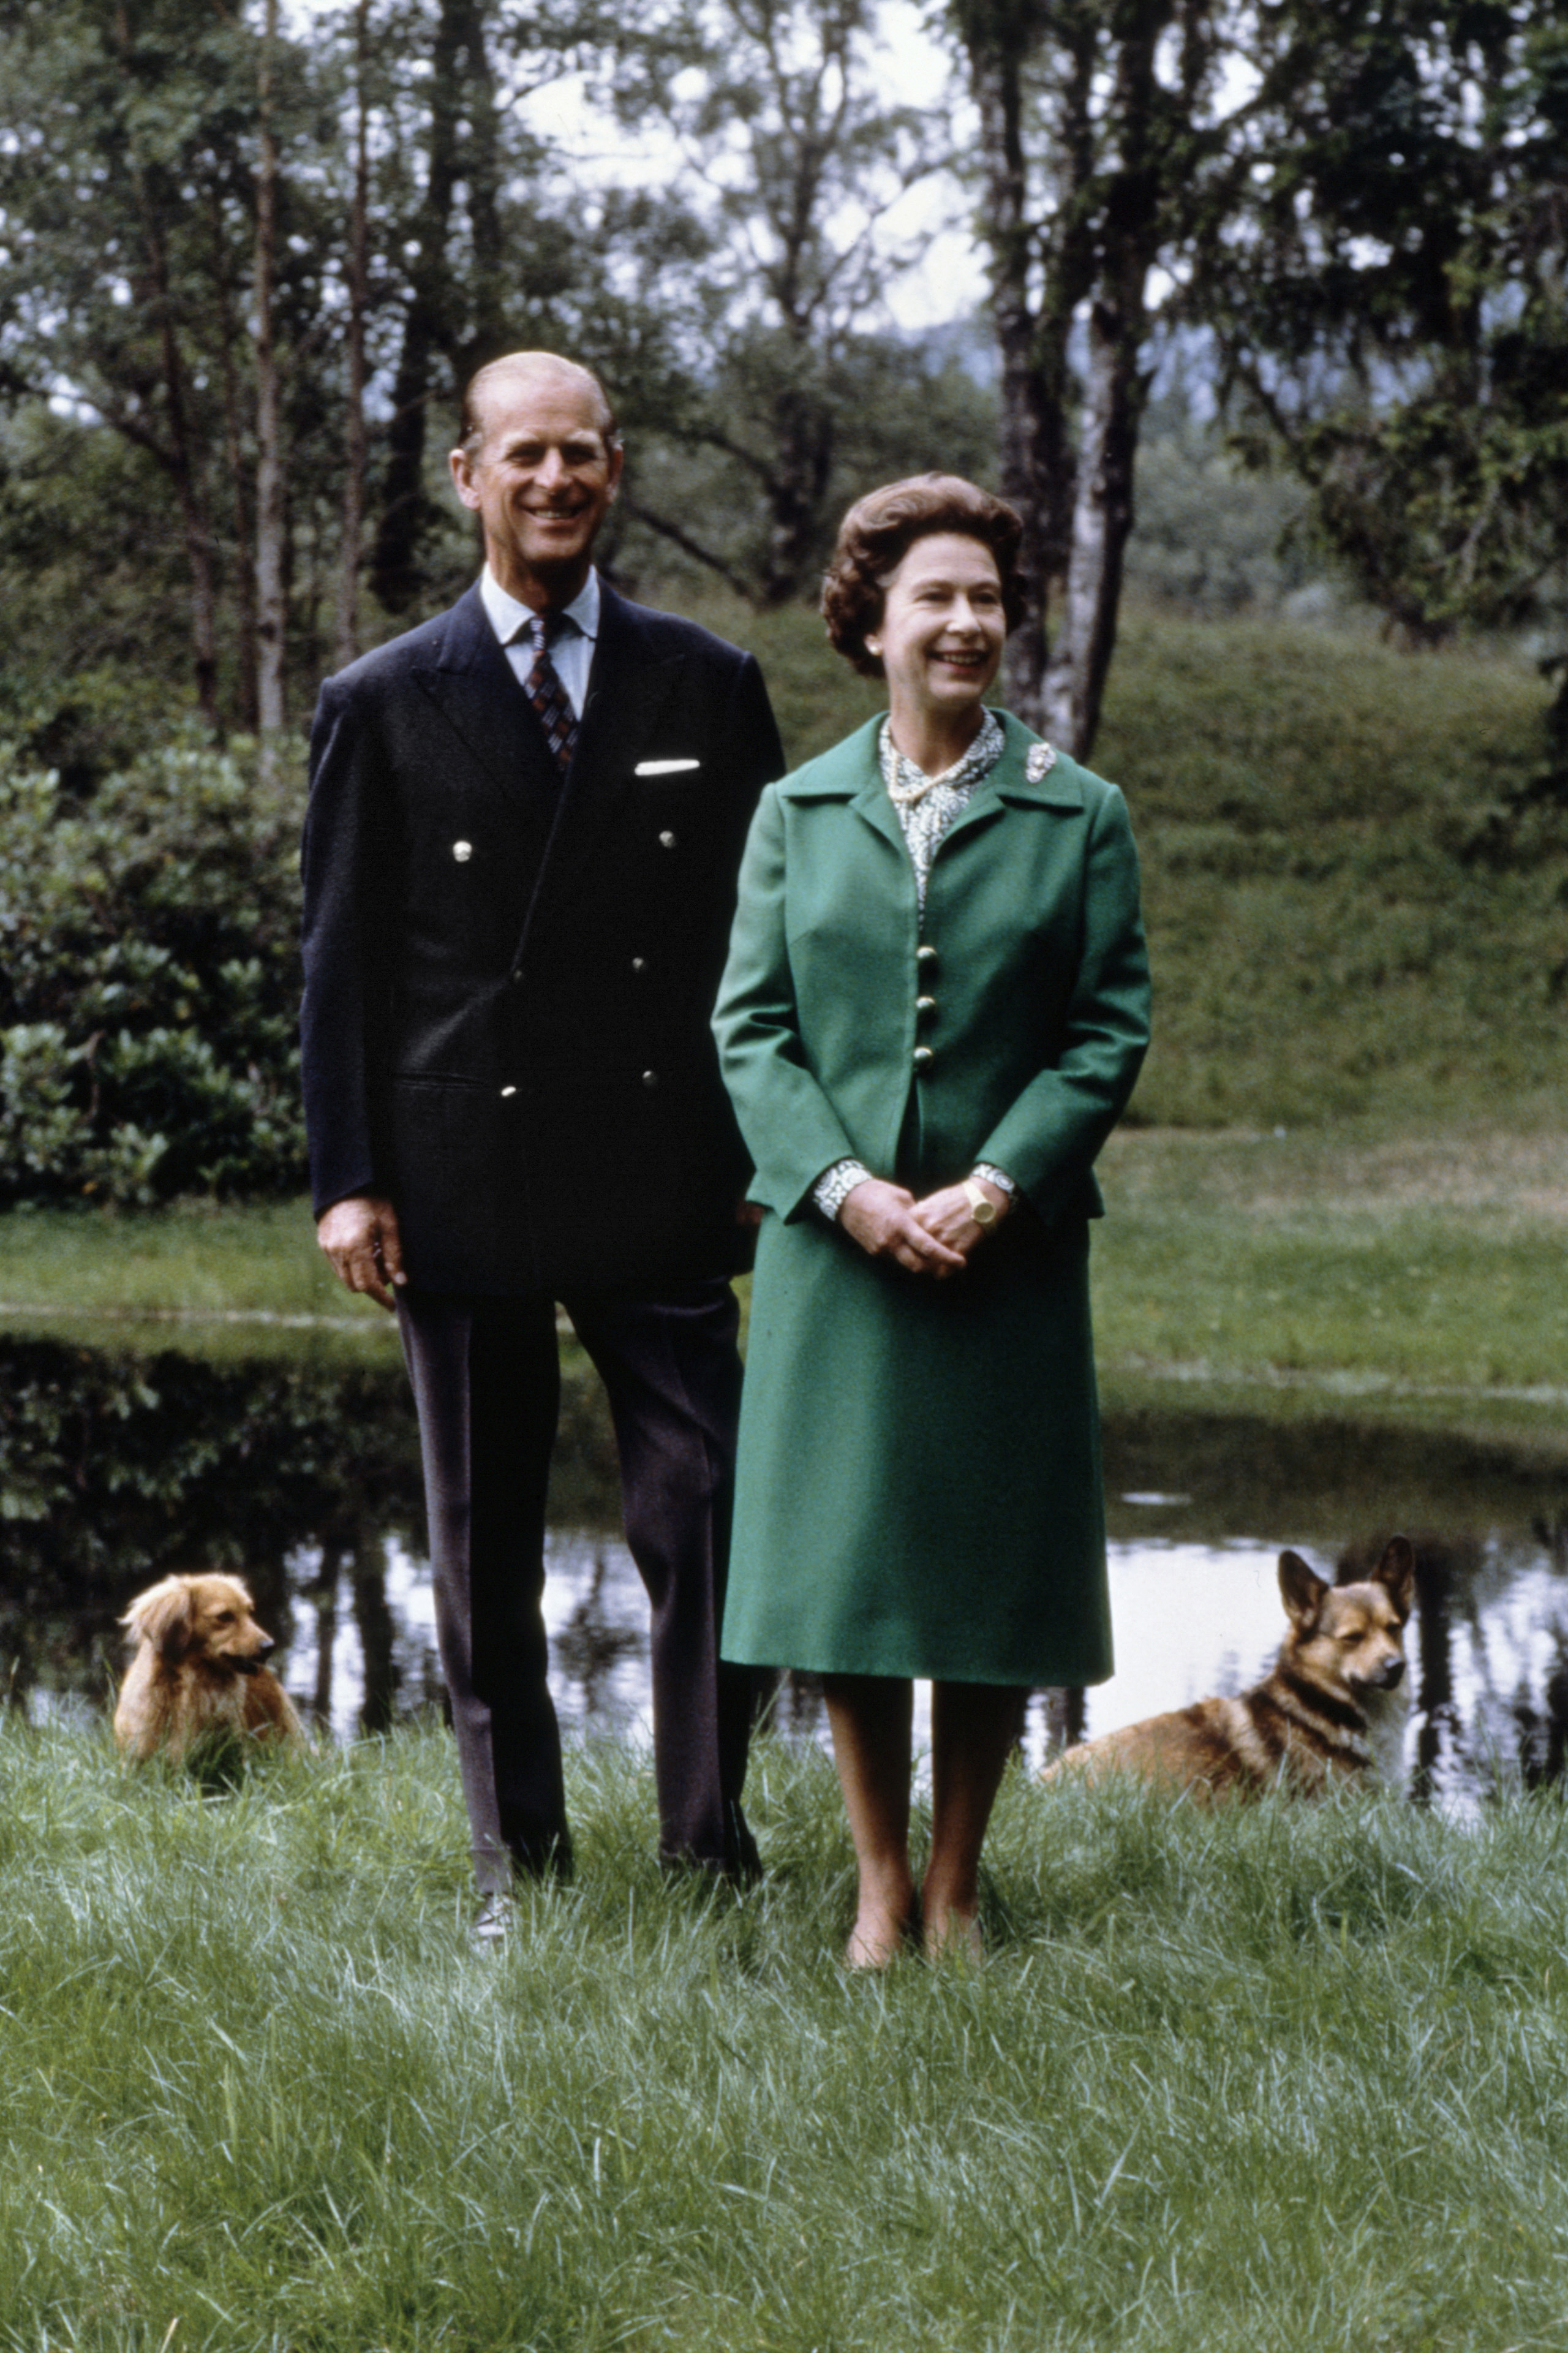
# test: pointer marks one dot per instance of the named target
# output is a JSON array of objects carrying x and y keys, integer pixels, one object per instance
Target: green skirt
[{"x": 920, "y": 1488}]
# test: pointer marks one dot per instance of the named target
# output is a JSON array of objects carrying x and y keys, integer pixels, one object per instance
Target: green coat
[{"x": 920, "y": 1488}]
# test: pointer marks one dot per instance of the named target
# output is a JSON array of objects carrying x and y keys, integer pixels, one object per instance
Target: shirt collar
[
  {"x": 509, "y": 618},
  {"x": 903, "y": 779}
]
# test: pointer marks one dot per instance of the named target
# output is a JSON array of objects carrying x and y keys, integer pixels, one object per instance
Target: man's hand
[
  {"x": 359, "y": 1236},
  {"x": 951, "y": 1217},
  {"x": 884, "y": 1221}
]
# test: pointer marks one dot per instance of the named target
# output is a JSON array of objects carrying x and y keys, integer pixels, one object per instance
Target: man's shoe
[{"x": 491, "y": 1923}]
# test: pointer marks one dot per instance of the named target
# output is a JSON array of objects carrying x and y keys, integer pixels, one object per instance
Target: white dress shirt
[{"x": 571, "y": 653}]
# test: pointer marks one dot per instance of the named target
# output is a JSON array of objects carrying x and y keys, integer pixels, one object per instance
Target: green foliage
[
  {"x": 150, "y": 981},
  {"x": 1292, "y": 2074},
  {"x": 1212, "y": 538},
  {"x": 886, "y": 407},
  {"x": 1390, "y": 295}
]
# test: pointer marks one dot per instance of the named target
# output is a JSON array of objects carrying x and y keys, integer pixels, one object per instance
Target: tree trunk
[
  {"x": 1102, "y": 522},
  {"x": 427, "y": 328},
  {"x": 1035, "y": 460},
  {"x": 797, "y": 485},
  {"x": 355, "y": 441},
  {"x": 234, "y": 453},
  {"x": 1024, "y": 429},
  {"x": 1128, "y": 241},
  {"x": 270, "y": 596},
  {"x": 179, "y": 458}
]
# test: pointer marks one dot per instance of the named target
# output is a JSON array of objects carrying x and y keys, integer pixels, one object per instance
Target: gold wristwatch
[{"x": 982, "y": 1208}]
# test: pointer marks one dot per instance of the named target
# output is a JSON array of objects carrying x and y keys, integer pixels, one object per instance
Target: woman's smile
[{"x": 941, "y": 635}]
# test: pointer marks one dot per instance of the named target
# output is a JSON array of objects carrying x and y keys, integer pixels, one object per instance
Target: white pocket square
[{"x": 664, "y": 767}]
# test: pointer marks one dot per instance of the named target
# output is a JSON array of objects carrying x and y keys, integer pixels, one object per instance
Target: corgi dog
[{"x": 1331, "y": 1710}]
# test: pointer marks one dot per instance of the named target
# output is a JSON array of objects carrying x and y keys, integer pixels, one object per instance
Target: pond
[{"x": 116, "y": 1467}]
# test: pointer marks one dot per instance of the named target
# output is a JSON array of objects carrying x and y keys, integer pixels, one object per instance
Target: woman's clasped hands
[{"x": 934, "y": 1235}]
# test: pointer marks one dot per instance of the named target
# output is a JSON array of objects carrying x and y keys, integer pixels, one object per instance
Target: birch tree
[{"x": 1099, "y": 130}]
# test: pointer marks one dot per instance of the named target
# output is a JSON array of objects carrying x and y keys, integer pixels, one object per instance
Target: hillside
[{"x": 1326, "y": 943}]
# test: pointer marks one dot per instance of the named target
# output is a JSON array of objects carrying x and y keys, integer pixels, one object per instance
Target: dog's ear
[
  {"x": 1396, "y": 1572},
  {"x": 162, "y": 1616},
  {"x": 1303, "y": 1591}
]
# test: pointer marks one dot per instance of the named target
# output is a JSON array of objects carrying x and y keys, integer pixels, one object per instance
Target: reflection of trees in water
[
  {"x": 375, "y": 1627},
  {"x": 1543, "y": 1733},
  {"x": 120, "y": 1469},
  {"x": 792, "y": 1702},
  {"x": 1062, "y": 1713},
  {"x": 1522, "y": 1731},
  {"x": 589, "y": 1647},
  {"x": 115, "y": 1469}
]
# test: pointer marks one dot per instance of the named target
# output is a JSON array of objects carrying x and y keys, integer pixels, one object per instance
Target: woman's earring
[{"x": 874, "y": 647}]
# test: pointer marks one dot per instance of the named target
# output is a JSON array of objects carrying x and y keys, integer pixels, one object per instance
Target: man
[{"x": 525, "y": 822}]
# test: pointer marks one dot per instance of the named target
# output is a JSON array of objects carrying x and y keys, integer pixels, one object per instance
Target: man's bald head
[{"x": 517, "y": 372}]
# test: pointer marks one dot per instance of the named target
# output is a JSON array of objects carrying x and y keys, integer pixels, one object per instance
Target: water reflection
[{"x": 116, "y": 1468}]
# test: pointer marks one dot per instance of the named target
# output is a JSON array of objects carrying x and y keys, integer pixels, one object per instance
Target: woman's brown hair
[{"x": 879, "y": 532}]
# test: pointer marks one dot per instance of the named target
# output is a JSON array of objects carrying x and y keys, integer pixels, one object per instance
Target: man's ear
[{"x": 463, "y": 480}]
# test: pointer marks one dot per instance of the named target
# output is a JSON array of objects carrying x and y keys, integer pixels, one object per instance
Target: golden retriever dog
[
  {"x": 200, "y": 1668},
  {"x": 1331, "y": 1709}
]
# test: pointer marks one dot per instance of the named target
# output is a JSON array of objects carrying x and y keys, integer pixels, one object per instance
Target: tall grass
[{"x": 1273, "y": 2076}]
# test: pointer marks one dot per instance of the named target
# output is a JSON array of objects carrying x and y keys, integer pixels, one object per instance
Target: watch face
[{"x": 982, "y": 1209}]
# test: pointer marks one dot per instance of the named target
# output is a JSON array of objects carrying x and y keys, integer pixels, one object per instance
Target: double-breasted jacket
[{"x": 507, "y": 979}]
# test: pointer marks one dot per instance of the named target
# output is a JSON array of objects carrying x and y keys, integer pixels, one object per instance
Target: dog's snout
[
  {"x": 1391, "y": 1674},
  {"x": 265, "y": 1647}
]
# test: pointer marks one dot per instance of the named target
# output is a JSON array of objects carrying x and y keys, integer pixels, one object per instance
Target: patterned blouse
[{"x": 928, "y": 807}]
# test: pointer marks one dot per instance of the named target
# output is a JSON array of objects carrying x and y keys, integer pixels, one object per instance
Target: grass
[
  {"x": 1346, "y": 1268},
  {"x": 1276, "y": 2076},
  {"x": 1325, "y": 941},
  {"x": 242, "y": 1277}
]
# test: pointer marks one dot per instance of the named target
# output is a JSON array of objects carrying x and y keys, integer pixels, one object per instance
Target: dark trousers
[{"x": 487, "y": 1383}]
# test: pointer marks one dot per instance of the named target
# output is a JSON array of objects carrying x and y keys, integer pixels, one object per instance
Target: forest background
[{"x": 1283, "y": 283}]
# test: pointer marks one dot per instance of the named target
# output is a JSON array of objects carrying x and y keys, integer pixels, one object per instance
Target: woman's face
[{"x": 943, "y": 627}]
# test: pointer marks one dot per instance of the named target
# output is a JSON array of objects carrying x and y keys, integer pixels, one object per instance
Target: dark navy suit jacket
[{"x": 508, "y": 980}]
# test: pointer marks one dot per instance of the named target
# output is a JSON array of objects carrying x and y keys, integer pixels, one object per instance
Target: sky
[{"x": 946, "y": 284}]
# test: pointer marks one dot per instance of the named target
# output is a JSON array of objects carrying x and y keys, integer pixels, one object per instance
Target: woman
[{"x": 934, "y": 1010}]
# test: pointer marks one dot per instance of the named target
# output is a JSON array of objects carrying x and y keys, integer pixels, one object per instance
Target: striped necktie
[{"x": 548, "y": 696}]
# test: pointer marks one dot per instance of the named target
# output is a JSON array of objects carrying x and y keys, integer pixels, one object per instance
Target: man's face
[{"x": 541, "y": 482}]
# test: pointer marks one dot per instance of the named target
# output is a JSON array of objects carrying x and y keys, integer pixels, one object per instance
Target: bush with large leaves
[{"x": 149, "y": 981}]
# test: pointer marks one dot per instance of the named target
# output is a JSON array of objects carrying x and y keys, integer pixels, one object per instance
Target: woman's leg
[
  {"x": 872, "y": 1718},
  {"x": 973, "y": 1730}
]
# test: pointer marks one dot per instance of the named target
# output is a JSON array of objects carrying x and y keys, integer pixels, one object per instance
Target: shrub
[{"x": 150, "y": 981}]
